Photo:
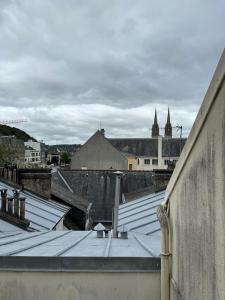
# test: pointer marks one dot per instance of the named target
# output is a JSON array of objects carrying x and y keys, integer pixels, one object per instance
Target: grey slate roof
[
  {"x": 61, "y": 189},
  {"x": 136, "y": 146},
  {"x": 172, "y": 147},
  {"x": 140, "y": 216},
  {"x": 76, "y": 244},
  {"x": 149, "y": 147},
  {"x": 43, "y": 213}
]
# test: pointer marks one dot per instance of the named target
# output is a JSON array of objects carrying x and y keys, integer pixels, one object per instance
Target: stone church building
[{"x": 144, "y": 154}]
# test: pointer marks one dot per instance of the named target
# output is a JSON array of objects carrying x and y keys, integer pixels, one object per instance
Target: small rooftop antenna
[{"x": 179, "y": 128}]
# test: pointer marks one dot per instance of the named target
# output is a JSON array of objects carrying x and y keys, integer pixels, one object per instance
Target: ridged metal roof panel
[
  {"x": 77, "y": 244},
  {"x": 42, "y": 213},
  {"x": 139, "y": 215}
]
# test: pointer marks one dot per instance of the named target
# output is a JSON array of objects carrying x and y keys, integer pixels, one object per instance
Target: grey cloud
[{"x": 122, "y": 54}]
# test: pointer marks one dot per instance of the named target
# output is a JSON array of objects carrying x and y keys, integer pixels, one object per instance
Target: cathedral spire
[
  {"x": 168, "y": 127},
  {"x": 155, "y": 126}
]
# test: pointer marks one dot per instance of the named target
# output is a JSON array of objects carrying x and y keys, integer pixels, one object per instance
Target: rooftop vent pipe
[
  {"x": 123, "y": 232},
  {"x": 117, "y": 201},
  {"x": 100, "y": 229}
]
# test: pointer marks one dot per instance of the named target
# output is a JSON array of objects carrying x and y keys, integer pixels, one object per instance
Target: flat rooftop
[{"x": 77, "y": 251}]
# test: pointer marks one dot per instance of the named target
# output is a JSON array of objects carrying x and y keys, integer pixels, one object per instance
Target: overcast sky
[{"x": 66, "y": 66}]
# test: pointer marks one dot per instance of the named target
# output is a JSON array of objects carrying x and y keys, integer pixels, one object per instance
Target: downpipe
[{"x": 162, "y": 214}]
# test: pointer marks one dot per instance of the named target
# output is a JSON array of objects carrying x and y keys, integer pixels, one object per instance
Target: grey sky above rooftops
[{"x": 67, "y": 65}]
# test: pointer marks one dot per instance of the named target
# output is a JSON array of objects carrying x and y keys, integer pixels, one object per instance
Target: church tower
[
  {"x": 155, "y": 127},
  {"x": 168, "y": 127}
]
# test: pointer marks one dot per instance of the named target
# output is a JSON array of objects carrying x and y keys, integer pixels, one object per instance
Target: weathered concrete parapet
[{"x": 195, "y": 203}]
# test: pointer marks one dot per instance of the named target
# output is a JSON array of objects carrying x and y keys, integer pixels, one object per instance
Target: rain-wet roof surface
[
  {"x": 42, "y": 213},
  {"x": 140, "y": 216}
]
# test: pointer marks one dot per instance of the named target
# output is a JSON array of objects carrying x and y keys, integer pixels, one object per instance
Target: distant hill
[{"x": 20, "y": 134}]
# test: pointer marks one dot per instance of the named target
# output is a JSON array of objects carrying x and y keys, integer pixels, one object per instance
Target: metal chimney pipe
[
  {"x": 10, "y": 205},
  {"x": 117, "y": 201},
  {"x": 4, "y": 199},
  {"x": 16, "y": 203},
  {"x": 22, "y": 207}
]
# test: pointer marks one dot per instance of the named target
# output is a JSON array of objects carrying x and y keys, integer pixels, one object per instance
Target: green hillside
[{"x": 20, "y": 134}]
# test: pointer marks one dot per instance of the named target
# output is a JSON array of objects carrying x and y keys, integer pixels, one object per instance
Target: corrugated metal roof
[
  {"x": 139, "y": 215},
  {"x": 77, "y": 244},
  {"x": 43, "y": 214}
]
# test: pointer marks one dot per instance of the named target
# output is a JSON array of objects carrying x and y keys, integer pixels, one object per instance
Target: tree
[
  {"x": 7, "y": 154},
  {"x": 65, "y": 158}
]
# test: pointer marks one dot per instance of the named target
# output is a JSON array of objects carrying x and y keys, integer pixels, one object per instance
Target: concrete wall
[
  {"x": 196, "y": 203},
  {"x": 79, "y": 286}
]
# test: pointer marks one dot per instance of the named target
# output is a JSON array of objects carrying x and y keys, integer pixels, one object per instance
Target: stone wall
[
  {"x": 35, "y": 180},
  {"x": 98, "y": 187}
]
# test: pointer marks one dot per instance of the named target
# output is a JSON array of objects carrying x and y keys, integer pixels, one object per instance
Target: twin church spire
[{"x": 168, "y": 126}]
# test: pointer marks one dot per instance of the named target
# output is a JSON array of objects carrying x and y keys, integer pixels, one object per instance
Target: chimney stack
[
  {"x": 102, "y": 131},
  {"x": 10, "y": 205},
  {"x": 13, "y": 209},
  {"x": 16, "y": 194},
  {"x": 4, "y": 199},
  {"x": 22, "y": 208}
]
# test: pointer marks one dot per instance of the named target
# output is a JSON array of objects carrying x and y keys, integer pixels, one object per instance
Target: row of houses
[{"x": 32, "y": 153}]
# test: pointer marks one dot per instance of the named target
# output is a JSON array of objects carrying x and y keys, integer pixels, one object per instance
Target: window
[
  {"x": 147, "y": 161},
  {"x": 155, "y": 161},
  {"x": 166, "y": 162},
  {"x": 138, "y": 161},
  {"x": 33, "y": 159}
]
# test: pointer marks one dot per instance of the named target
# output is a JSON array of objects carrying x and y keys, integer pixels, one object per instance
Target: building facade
[
  {"x": 99, "y": 154},
  {"x": 157, "y": 152},
  {"x": 138, "y": 154},
  {"x": 32, "y": 152}
]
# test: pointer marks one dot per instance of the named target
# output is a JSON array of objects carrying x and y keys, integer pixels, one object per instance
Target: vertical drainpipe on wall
[
  {"x": 160, "y": 152},
  {"x": 162, "y": 214}
]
